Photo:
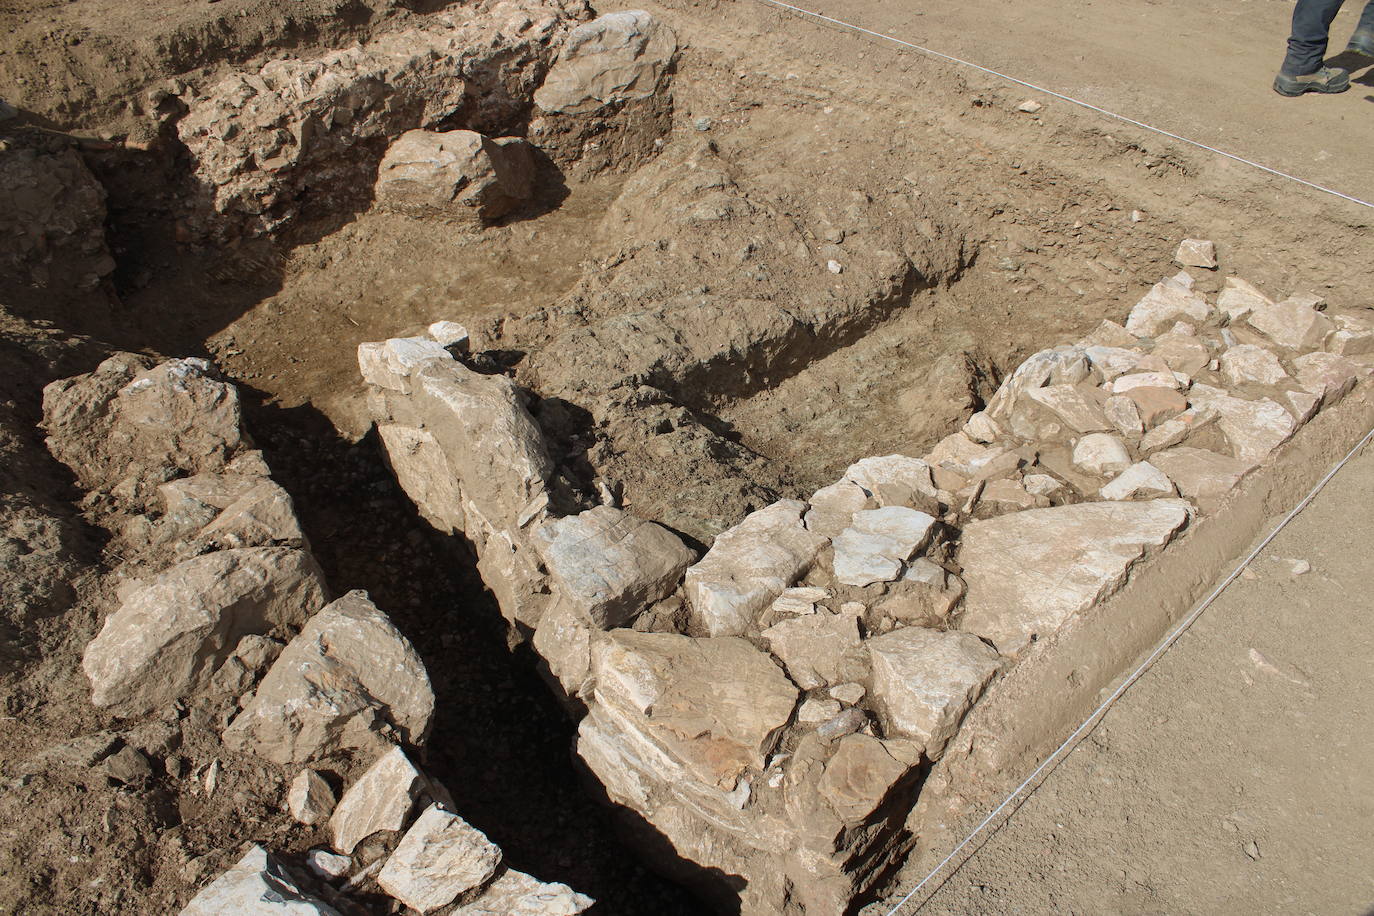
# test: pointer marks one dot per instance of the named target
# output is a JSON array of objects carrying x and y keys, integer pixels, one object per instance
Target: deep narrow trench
[{"x": 500, "y": 743}]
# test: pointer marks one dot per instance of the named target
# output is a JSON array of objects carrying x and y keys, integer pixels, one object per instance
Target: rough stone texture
[
  {"x": 1077, "y": 407},
  {"x": 1181, "y": 352},
  {"x": 515, "y": 893},
  {"x": 1327, "y": 375},
  {"x": 345, "y": 679},
  {"x": 1058, "y": 366},
  {"x": 1175, "y": 430},
  {"x": 813, "y": 647},
  {"x": 1112, "y": 362},
  {"x": 832, "y": 508},
  {"x": 609, "y": 565},
  {"x": 441, "y": 857},
  {"x": 1239, "y": 298},
  {"x": 1252, "y": 428},
  {"x": 310, "y": 799},
  {"x": 893, "y": 480},
  {"x": 1197, "y": 253},
  {"x": 1248, "y": 364},
  {"x": 457, "y": 175},
  {"x": 749, "y": 566},
  {"x": 256, "y": 886},
  {"x": 389, "y": 363},
  {"x": 301, "y": 133},
  {"x": 717, "y": 705},
  {"x": 1291, "y": 324},
  {"x": 925, "y": 681},
  {"x": 1030, "y": 572},
  {"x": 1353, "y": 336},
  {"x": 1201, "y": 474},
  {"x": 1149, "y": 379},
  {"x": 876, "y": 547},
  {"x": 859, "y": 776},
  {"x": 380, "y": 799},
  {"x": 54, "y": 254},
  {"x": 122, "y": 426},
  {"x": 1124, "y": 415},
  {"x": 1101, "y": 455},
  {"x": 615, "y": 58},
  {"x": 1139, "y": 481},
  {"x": 167, "y": 637},
  {"x": 1155, "y": 405},
  {"x": 1167, "y": 302}
]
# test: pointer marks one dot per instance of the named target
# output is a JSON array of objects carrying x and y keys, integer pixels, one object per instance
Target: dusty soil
[
  {"x": 1032, "y": 228},
  {"x": 1233, "y": 777}
]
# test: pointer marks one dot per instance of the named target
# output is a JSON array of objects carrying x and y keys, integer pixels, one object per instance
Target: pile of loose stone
[
  {"x": 222, "y": 614},
  {"x": 771, "y": 707}
]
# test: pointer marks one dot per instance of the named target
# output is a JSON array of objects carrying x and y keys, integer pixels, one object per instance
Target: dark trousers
[{"x": 1311, "y": 26}]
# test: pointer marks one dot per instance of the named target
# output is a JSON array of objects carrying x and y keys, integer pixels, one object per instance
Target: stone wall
[{"x": 772, "y": 709}]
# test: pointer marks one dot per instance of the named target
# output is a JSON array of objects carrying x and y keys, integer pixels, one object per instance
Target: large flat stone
[
  {"x": 925, "y": 681},
  {"x": 256, "y": 885},
  {"x": 1200, "y": 474},
  {"x": 1291, "y": 324},
  {"x": 609, "y": 565},
  {"x": 1167, "y": 302},
  {"x": 748, "y": 566},
  {"x": 167, "y": 637},
  {"x": 348, "y": 673},
  {"x": 441, "y": 857},
  {"x": 1030, "y": 572},
  {"x": 1253, "y": 429},
  {"x": 878, "y": 544},
  {"x": 858, "y": 778},
  {"x": 813, "y": 647},
  {"x": 717, "y": 705}
]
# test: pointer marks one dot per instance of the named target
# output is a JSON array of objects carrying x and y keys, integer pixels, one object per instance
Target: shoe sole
[{"x": 1294, "y": 89}]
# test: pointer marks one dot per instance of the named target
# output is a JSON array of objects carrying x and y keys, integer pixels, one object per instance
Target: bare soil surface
[{"x": 1234, "y": 776}]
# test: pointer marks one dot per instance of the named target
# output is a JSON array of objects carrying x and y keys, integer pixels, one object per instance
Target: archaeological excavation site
[{"x": 526, "y": 458}]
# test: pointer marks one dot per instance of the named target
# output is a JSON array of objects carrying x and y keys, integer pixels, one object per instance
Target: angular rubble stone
[
  {"x": 717, "y": 705},
  {"x": 615, "y": 58},
  {"x": 1248, "y": 364},
  {"x": 420, "y": 466},
  {"x": 1352, "y": 337},
  {"x": 347, "y": 674},
  {"x": 796, "y": 602},
  {"x": 1166, "y": 302},
  {"x": 876, "y": 547},
  {"x": 1152, "y": 379},
  {"x": 264, "y": 516},
  {"x": 389, "y": 363},
  {"x": 1290, "y": 324},
  {"x": 893, "y": 480},
  {"x": 1302, "y": 404},
  {"x": 327, "y": 864},
  {"x": 167, "y": 637},
  {"x": 959, "y": 453},
  {"x": 1200, "y": 474},
  {"x": 1327, "y": 375},
  {"x": 982, "y": 428},
  {"x": 832, "y": 508},
  {"x": 1041, "y": 484},
  {"x": 1124, "y": 415},
  {"x": 256, "y": 886},
  {"x": 380, "y": 799},
  {"x": 858, "y": 778},
  {"x": 515, "y": 893},
  {"x": 815, "y": 710},
  {"x": 1110, "y": 334},
  {"x": 458, "y": 175},
  {"x": 1101, "y": 454},
  {"x": 1007, "y": 494},
  {"x": 609, "y": 565},
  {"x": 748, "y": 566},
  {"x": 1079, "y": 410},
  {"x": 1175, "y": 430},
  {"x": 1058, "y": 366},
  {"x": 1030, "y": 572},
  {"x": 813, "y": 647},
  {"x": 1156, "y": 405},
  {"x": 849, "y": 694},
  {"x": 1113, "y": 361},
  {"x": 925, "y": 681},
  {"x": 441, "y": 857},
  {"x": 449, "y": 334},
  {"x": 1139, "y": 481},
  {"x": 1181, "y": 352},
  {"x": 1252, "y": 428},
  {"x": 1239, "y": 298},
  {"x": 1197, "y": 253},
  {"x": 310, "y": 799}
]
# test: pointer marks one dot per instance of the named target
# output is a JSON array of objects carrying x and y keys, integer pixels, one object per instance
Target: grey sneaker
[
  {"x": 1362, "y": 42},
  {"x": 1327, "y": 79}
]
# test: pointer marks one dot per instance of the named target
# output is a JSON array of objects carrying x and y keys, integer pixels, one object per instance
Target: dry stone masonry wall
[
  {"x": 770, "y": 708},
  {"x": 239, "y": 630}
]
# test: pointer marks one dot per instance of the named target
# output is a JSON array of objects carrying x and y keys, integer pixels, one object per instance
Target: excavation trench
[{"x": 710, "y": 296}]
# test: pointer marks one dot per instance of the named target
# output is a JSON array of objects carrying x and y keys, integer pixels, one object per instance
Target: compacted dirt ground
[{"x": 1234, "y": 776}]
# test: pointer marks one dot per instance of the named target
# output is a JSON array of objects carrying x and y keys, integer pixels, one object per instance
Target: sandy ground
[
  {"x": 1234, "y": 777},
  {"x": 1201, "y": 70}
]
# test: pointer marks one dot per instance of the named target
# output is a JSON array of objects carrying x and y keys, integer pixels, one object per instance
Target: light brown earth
[
  {"x": 1234, "y": 776},
  {"x": 816, "y": 126}
]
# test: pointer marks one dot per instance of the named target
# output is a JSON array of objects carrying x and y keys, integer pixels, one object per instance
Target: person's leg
[
  {"x": 1362, "y": 42},
  {"x": 1302, "y": 69}
]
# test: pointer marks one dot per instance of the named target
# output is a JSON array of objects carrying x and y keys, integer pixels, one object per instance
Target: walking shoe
[
  {"x": 1362, "y": 42},
  {"x": 1327, "y": 79}
]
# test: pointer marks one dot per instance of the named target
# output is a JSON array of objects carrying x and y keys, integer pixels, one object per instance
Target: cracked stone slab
[
  {"x": 877, "y": 546},
  {"x": 440, "y": 858},
  {"x": 1030, "y": 572}
]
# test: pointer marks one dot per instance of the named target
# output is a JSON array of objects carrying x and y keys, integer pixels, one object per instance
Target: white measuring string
[
  {"x": 1079, "y": 102},
  {"x": 1135, "y": 675}
]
